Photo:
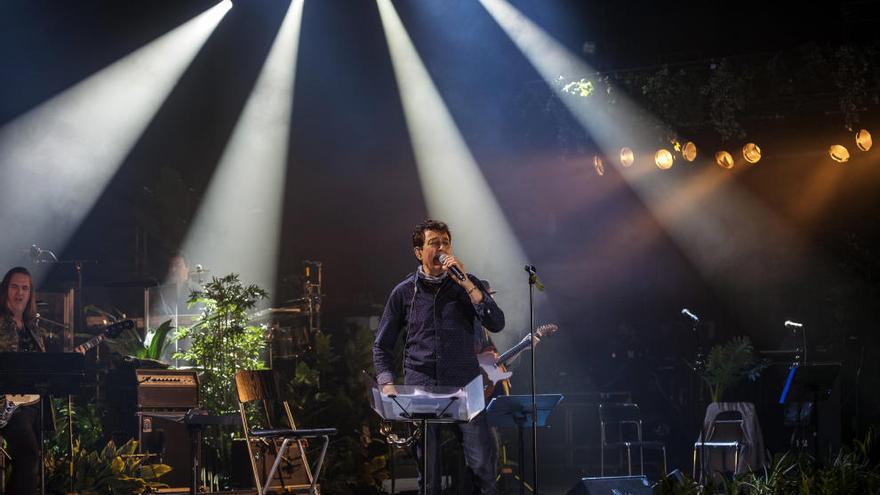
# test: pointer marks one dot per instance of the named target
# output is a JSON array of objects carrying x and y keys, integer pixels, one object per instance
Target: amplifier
[
  {"x": 167, "y": 438},
  {"x": 171, "y": 389}
]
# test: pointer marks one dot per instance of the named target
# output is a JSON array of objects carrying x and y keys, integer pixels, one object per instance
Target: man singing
[
  {"x": 18, "y": 333},
  {"x": 438, "y": 313}
]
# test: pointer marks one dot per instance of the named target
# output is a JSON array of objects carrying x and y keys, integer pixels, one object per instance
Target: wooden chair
[
  {"x": 4, "y": 456},
  {"x": 259, "y": 401}
]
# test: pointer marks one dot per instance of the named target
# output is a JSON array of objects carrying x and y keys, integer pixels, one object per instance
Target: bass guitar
[{"x": 10, "y": 402}]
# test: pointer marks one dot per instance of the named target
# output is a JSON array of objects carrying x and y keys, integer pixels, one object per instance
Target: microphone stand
[
  {"x": 78, "y": 323},
  {"x": 533, "y": 282},
  {"x": 701, "y": 413}
]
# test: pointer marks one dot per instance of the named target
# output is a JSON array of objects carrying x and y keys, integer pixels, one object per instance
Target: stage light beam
[
  {"x": 454, "y": 187},
  {"x": 237, "y": 226},
  {"x": 699, "y": 227},
  {"x": 58, "y": 158}
]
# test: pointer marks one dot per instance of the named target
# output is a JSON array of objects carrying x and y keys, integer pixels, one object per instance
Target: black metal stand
[
  {"x": 423, "y": 419},
  {"x": 810, "y": 382},
  {"x": 44, "y": 374},
  {"x": 533, "y": 283},
  {"x": 701, "y": 407},
  {"x": 518, "y": 411}
]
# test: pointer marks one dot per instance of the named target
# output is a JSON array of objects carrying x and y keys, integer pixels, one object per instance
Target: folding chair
[
  {"x": 258, "y": 399},
  {"x": 626, "y": 417},
  {"x": 726, "y": 433}
]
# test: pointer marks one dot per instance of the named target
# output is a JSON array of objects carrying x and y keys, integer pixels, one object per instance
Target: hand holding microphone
[{"x": 452, "y": 265}]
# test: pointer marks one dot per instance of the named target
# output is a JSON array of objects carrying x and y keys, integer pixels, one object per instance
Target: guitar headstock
[
  {"x": 114, "y": 329},
  {"x": 545, "y": 330}
]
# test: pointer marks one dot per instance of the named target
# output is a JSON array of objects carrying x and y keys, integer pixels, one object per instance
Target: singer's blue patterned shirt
[{"x": 439, "y": 321}]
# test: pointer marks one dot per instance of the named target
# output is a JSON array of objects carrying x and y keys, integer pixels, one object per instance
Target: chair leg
[
  {"x": 641, "y": 460},
  {"x": 601, "y": 460},
  {"x": 319, "y": 464},
  {"x": 665, "y": 467},
  {"x": 278, "y": 457},
  {"x": 629, "y": 464},
  {"x": 694, "y": 468},
  {"x": 736, "y": 460}
]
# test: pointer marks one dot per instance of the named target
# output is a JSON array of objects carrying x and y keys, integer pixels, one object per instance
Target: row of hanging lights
[{"x": 751, "y": 153}]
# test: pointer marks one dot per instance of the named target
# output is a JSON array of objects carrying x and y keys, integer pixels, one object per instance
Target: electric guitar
[
  {"x": 493, "y": 367},
  {"x": 10, "y": 402}
]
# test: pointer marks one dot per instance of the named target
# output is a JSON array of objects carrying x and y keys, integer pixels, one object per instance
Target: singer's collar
[{"x": 430, "y": 278}]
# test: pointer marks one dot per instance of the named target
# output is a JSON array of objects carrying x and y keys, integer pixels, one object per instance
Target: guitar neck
[
  {"x": 525, "y": 343},
  {"x": 94, "y": 342}
]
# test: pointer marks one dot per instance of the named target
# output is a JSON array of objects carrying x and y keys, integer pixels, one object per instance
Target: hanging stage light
[
  {"x": 627, "y": 157},
  {"x": 863, "y": 140},
  {"x": 724, "y": 159},
  {"x": 752, "y": 153},
  {"x": 838, "y": 153},
  {"x": 689, "y": 151},
  {"x": 599, "y": 165},
  {"x": 663, "y": 159}
]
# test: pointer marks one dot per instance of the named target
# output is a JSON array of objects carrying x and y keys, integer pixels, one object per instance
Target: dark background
[{"x": 616, "y": 279}]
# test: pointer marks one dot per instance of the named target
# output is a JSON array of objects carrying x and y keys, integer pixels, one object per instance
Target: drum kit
[{"x": 292, "y": 324}]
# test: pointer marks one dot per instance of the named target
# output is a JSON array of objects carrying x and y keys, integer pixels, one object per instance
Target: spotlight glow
[
  {"x": 599, "y": 165},
  {"x": 67, "y": 150},
  {"x": 863, "y": 140},
  {"x": 627, "y": 157},
  {"x": 838, "y": 153},
  {"x": 454, "y": 187},
  {"x": 752, "y": 153},
  {"x": 711, "y": 218},
  {"x": 689, "y": 151},
  {"x": 237, "y": 227},
  {"x": 663, "y": 159},
  {"x": 724, "y": 160}
]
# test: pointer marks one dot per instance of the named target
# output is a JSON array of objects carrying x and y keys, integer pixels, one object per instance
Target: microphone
[
  {"x": 690, "y": 315},
  {"x": 454, "y": 269},
  {"x": 35, "y": 253},
  {"x": 793, "y": 324}
]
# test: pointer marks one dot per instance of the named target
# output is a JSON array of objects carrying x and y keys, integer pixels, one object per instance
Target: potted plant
[
  {"x": 727, "y": 364},
  {"x": 222, "y": 341}
]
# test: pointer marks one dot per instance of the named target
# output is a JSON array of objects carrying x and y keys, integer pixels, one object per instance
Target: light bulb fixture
[
  {"x": 752, "y": 153},
  {"x": 724, "y": 159},
  {"x": 689, "y": 151},
  {"x": 599, "y": 165},
  {"x": 627, "y": 157},
  {"x": 863, "y": 140},
  {"x": 838, "y": 153},
  {"x": 663, "y": 159}
]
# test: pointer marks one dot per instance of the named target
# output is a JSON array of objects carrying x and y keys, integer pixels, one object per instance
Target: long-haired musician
[{"x": 19, "y": 333}]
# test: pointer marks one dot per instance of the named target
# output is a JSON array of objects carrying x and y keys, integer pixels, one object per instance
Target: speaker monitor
[
  {"x": 612, "y": 485},
  {"x": 170, "y": 443}
]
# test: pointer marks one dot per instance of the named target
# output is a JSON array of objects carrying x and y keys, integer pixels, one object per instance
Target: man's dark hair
[
  {"x": 30, "y": 309},
  {"x": 418, "y": 235}
]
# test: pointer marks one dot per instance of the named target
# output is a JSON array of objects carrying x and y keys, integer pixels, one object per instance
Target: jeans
[
  {"x": 22, "y": 437},
  {"x": 479, "y": 450}
]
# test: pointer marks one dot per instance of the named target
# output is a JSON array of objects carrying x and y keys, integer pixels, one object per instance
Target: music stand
[
  {"x": 516, "y": 411},
  {"x": 43, "y": 373},
  {"x": 810, "y": 383},
  {"x": 423, "y": 405}
]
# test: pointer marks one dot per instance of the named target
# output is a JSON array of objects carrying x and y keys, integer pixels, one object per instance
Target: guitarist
[
  {"x": 483, "y": 344},
  {"x": 19, "y": 333}
]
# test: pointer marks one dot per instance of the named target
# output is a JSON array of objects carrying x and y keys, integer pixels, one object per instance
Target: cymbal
[
  {"x": 280, "y": 311},
  {"x": 298, "y": 300}
]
